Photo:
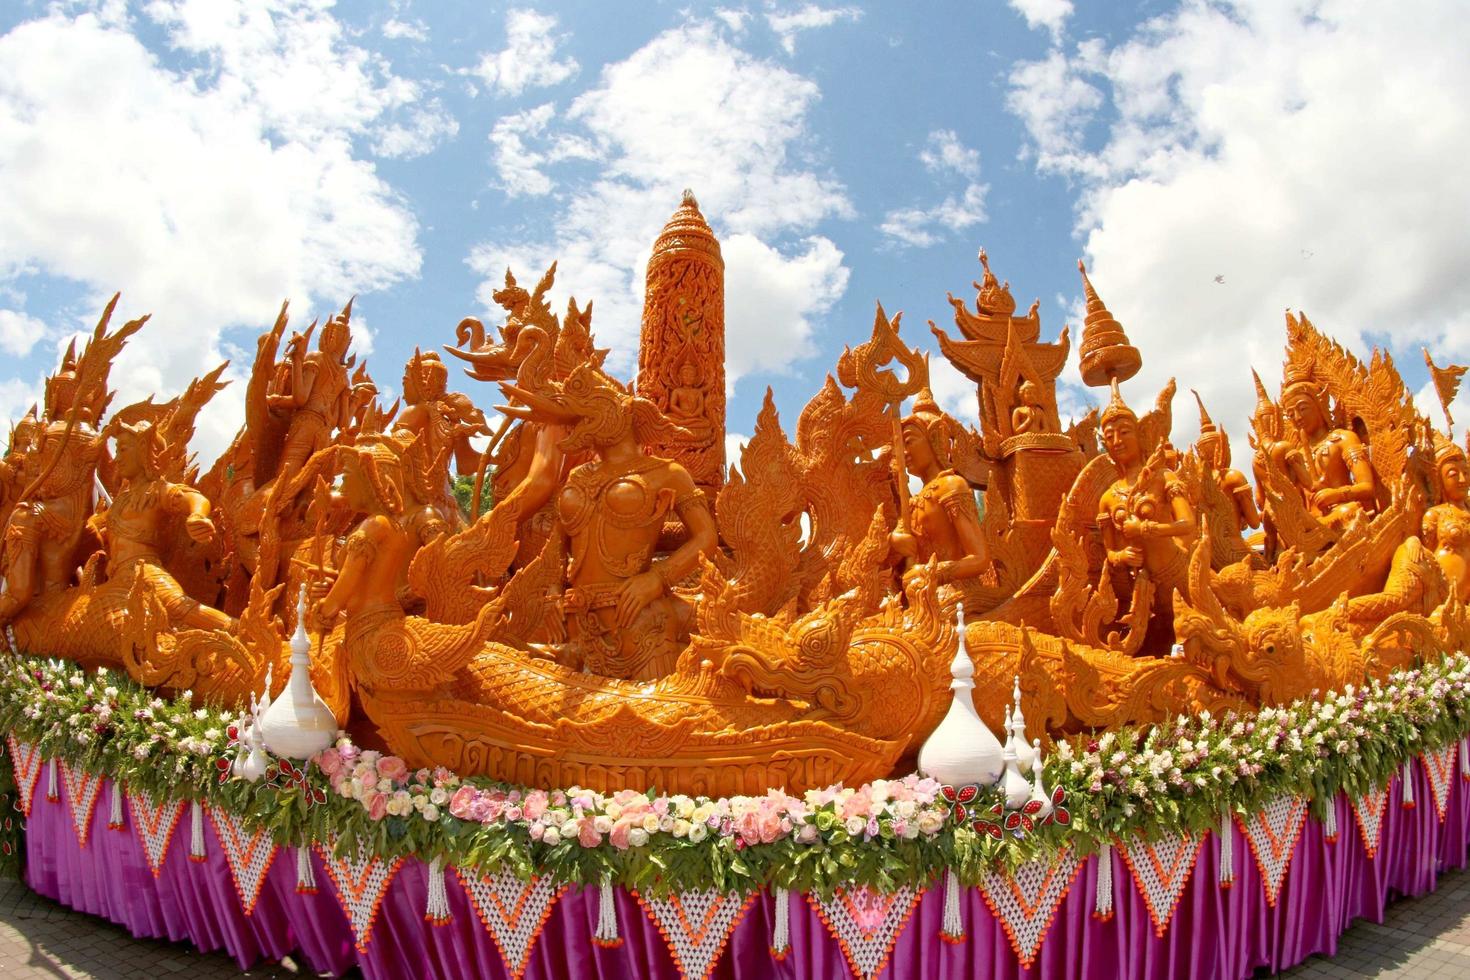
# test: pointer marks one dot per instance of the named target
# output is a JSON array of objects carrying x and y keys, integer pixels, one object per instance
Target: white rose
[
  {"x": 431, "y": 813},
  {"x": 930, "y": 821},
  {"x": 637, "y": 837},
  {"x": 681, "y": 828},
  {"x": 666, "y": 823},
  {"x": 551, "y": 837},
  {"x": 697, "y": 832},
  {"x": 439, "y": 796},
  {"x": 602, "y": 824},
  {"x": 856, "y": 825}
]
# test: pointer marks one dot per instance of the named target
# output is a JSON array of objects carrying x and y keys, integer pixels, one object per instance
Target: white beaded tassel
[
  {"x": 115, "y": 810},
  {"x": 781, "y": 931},
  {"x": 52, "y": 792},
  {"x": 953, "y": 928},
  {"x": 606, "y": 933},
  {"x": 436, "y": 910},
  {"x": 1465, "y": 758},
  {"x": 305, "y": 873},
  {"x": 1102, "y": 904},
  {"x": 196, "y": 832},
  {"x": 1227, "y": 850},
  {"x": 1408, "y": 780},
  {"x": 1329, "y": 822}
]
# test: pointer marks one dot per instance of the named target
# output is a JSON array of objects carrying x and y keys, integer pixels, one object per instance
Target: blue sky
[{"x": 1214, "y": 162}]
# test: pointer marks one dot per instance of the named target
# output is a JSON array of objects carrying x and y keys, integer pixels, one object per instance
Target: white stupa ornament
[
  {"x": 298, "y": 724},
  {"x": 1015, "y": 786},
  {"x": 1017, "y": 728},
  {"x": 962, "y": 750}
]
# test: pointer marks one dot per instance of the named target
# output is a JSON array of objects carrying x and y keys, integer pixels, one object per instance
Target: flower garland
[{"x": 1170, "y": 778}]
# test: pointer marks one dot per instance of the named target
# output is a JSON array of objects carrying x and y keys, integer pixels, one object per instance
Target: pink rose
[
  {"x": 462, "y": 802},
  {"x": 329, "y": 761},
  {"x": 392, "y": 767},
  {"x": 619, "y": 836},
  {"x": 587, "y": 834},
  {"x": 512, "y": 814},
  {"x": 535, "y": 805},
  {"x": 372, "y": 801}
]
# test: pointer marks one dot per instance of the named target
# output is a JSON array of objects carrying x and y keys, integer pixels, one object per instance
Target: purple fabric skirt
[{"x": 1213, "y": 932}]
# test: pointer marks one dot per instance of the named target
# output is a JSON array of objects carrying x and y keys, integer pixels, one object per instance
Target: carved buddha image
[
  {"x": 1029, "y": 415},
  {"x": 686, "y": 401}
]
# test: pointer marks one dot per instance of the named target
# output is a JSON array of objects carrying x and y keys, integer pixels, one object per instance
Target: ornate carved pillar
[{"x": 681, "y": 354}]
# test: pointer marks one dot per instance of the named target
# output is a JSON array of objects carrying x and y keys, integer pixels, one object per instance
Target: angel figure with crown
[{"x": 1329, "y": 464}]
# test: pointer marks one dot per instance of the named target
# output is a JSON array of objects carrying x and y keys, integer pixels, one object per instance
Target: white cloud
[
  {"x": 686, "y": 110},
  {"x": 789, "y": 24},
  {"x": 1309, "y": 156},
  {"x": 1050, "y": 14},
  {"x": 529, "y": 59},
  {"x": 405, "y": 30},
  {"x": 19, "y": 332},
  {"x": 944, "y": 151},
  {"x": 945, "y": 157},
  {"x": 205, "y": 198},
  {"x": 428, "y": 126},
  {"x": 735, "y": 20},
  {"x": 521, "y": 167}
]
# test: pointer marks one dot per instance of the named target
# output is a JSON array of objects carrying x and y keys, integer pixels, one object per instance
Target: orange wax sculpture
[{"x": 635, "y": 610}]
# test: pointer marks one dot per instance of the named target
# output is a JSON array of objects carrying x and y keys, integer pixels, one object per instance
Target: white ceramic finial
[
  {"x": 1038, "y": 789},
  {"x": 1015, "y": 786},
  {"x": 962, "y": 750},
  {"x": 1024, "y": 755},
  {"x": 299, "y": 724}
]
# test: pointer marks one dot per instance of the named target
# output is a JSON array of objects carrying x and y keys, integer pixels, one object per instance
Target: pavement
[{"x": 1420, "y": 938}]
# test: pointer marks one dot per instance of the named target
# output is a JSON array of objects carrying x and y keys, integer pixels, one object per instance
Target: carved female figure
[
  {"x": 1446, "y": 525},
  {"x": 622, "y": 618},
  {"x": 943, "y": 521}
]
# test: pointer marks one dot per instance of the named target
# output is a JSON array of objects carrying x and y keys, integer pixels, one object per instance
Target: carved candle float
[{"x": 620, "y": 618}]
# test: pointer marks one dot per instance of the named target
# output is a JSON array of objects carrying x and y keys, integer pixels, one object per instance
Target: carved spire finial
[{"x": 1106, "y": 353}]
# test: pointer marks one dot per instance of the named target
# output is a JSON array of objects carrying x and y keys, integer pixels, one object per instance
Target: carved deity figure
[
  {"x": 943, "y": 521},
  {"x": 314, "y": 391},
  {"x": 621, "y": 614},
  {"x": 134, "y": 524},
  {"x": 367, "y": 590},
  {"x": 1329, "y": 465},
  {"x": 1147, "y": 520},
  {"x": 45, "y": 528},
  {"x": 1446, "y": 527},
  {"x": 1214, "y": 452},
  {"x": 17, "y": 469},
  {"x": 443, "y": 419}
]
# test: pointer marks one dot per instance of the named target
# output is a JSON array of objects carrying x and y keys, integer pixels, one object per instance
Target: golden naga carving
[{"x": 624, "y": 616}]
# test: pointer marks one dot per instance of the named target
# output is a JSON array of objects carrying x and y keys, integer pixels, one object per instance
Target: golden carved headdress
[
  {"x": 1210, "y": 434},
  {"x": 1116, "y": 408}
]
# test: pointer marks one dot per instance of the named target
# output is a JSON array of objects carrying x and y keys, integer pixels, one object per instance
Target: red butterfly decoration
[
  {"x": 991, "y": 827},
  {"x": 1059, "y": 812},
  {"x": 960, "y": 798},
  {"x": 283, "y": 775},
  {"x": 223, "y": 765}
]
